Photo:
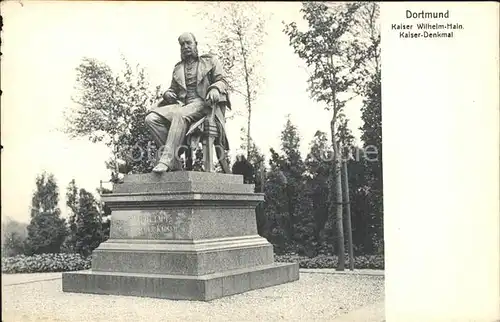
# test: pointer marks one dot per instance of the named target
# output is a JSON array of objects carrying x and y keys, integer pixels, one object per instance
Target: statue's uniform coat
[{"x": 209, "y": 74}]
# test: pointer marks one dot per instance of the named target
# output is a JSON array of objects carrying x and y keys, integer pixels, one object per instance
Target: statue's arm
[
  {"x": 218, "y": 77},
  {"x": 170, "y": 94}
]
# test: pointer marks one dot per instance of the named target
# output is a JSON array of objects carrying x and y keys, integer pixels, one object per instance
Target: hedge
[
  {"x": 322, "y": 261},
  {"x": 61, "y": 262},
  {"x": 64, "y": 262}
]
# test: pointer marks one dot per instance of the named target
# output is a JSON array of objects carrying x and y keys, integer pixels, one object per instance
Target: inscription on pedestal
[{"x": 154, "y": 224}]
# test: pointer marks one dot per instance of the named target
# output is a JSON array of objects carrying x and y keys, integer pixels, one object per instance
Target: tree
[
  {"x": 238, "y": 34},
  {"x": 361, "y": 212},
  {"x": 329, "y": 51},
  {"x": 257, "y": 160},
  {"x": 85, "y": 220},
  {"x": 13, "y": 244},
  {"x": 89, "y": 232},
  {"x": 10, "y": 225},
  {"x": 72, "y": 204},
  {"x": 368, "y": 29},
  {"x": 275, "y": 204},
  {"x": 111, "y": 108},
  {"x": 372, "y": 140},
  {"x": 105, "y": 212},
  {"x": 46, "y": 230},
  {"x": 46, "y": 197},
  {"x": 345, "y": 139},
  {"x": 255, "y": 157},
  {"x": 288, "y": 204},
  {"x": 46, "y": 234},
  {"x": 13, "y": 237},
  {"x": 293, "y": 168},
  {"x": 318, "y": 165}
]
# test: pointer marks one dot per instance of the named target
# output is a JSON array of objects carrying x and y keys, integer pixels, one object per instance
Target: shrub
[
  {"x": 360, "y": 262},
  {"x": 13, "y": 245},
  {"x": 46, "y": 234},
  {"x": 44, "y": 263}
]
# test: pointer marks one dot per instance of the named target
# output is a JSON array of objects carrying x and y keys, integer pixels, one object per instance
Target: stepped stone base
[
  {"x": 175, "y": 287},
  {"x": 184, "y": 236}
]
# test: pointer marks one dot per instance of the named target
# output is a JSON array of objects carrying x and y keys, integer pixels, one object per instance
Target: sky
[{"x": 43, "y": 43}]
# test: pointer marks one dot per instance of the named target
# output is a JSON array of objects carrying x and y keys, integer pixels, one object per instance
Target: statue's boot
[{"x": 161, "y": 167}]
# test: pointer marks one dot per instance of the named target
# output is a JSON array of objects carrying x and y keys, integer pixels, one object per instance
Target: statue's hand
[
  {"x": 169, "y": 96},
  {"x": 213, "y": 96}
]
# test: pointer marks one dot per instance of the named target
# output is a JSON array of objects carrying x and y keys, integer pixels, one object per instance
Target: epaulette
[{"x": 178, "y": 63}]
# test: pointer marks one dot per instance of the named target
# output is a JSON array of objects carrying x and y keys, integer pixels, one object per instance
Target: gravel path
[{"x": 315, "y": 297}]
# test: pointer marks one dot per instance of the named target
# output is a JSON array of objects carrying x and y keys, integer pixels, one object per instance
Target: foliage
[
  {"x": 85, "y": 223},
  {"x": 318, "y": 165},
  {"x": 292, "y": 167},
  {"x": 72, "y": 204},
  {"x": 288, "y": 205},
  {"x": 362, "y": 224},
  {"x": 331, "y": 55},
  {"x": 275, "y": 205},
  {"x": 327, "y": 48},
  {"x": 372, "y": 139},
  {"x": 13, "y": 244},
  {"x": 46, "y": 196},
  {"x": 44, "y": 263},
  {"x": 46, "y": 230},
  {"x": 360, "y": 262},
  {"x": 89, "y": 228},
  {"x": 256, "y": 159},
  {"x": 309, "y": 183},
  {"x": 105, "y": 212},
  {"x": 14, "y": 234},
  {"x": 111, "y": 108},
  {"x": 368, "y": 29},
  {"x": 46, "y": 234},
  {"x": 238, "y": 31}
]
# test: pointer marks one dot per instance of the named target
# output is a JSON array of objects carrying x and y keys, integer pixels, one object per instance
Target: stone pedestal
[{"x": 182, "y": 235}]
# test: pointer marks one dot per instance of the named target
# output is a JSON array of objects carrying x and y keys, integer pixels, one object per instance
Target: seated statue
[{"x": 198, "y": 86}]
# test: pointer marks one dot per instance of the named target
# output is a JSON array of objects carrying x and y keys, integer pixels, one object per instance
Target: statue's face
[{"x": 188, "y": 45}]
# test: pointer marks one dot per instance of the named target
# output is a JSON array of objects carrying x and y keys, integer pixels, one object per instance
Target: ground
[{"x": 319, "y": 295}]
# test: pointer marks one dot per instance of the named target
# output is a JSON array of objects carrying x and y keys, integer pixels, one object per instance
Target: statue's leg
[
  {"x": 221, "y": 156},
  {"x": 180, "y": 120},
  {"x": 173, "y": 144},
  {"x": 158, "y": 126}
]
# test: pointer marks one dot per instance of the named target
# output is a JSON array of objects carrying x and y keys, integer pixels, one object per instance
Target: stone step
[
  {"x": 200, "y": 258},
  {"x": 183, "y": 187},
  {"x": 183, "y": 176},
  {"x": 202, "y": 288}
]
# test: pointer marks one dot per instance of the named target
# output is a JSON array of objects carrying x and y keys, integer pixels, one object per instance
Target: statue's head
[{"x": 189, "y": 46}]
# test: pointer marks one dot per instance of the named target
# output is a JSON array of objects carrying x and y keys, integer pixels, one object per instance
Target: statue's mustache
[{"x": 189, "y": 52}]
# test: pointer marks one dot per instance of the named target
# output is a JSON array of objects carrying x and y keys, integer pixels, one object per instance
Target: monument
[{"x": 178, "y": 234}]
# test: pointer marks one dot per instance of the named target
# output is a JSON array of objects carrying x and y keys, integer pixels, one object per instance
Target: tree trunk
[
  {"x": 249, "y": 93},
  {"x": 248, "y": 129},
  {"x": 337, "y": 183},
  {"x": 337, "y": 188},
  {"x": 345, "y": 180}
]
